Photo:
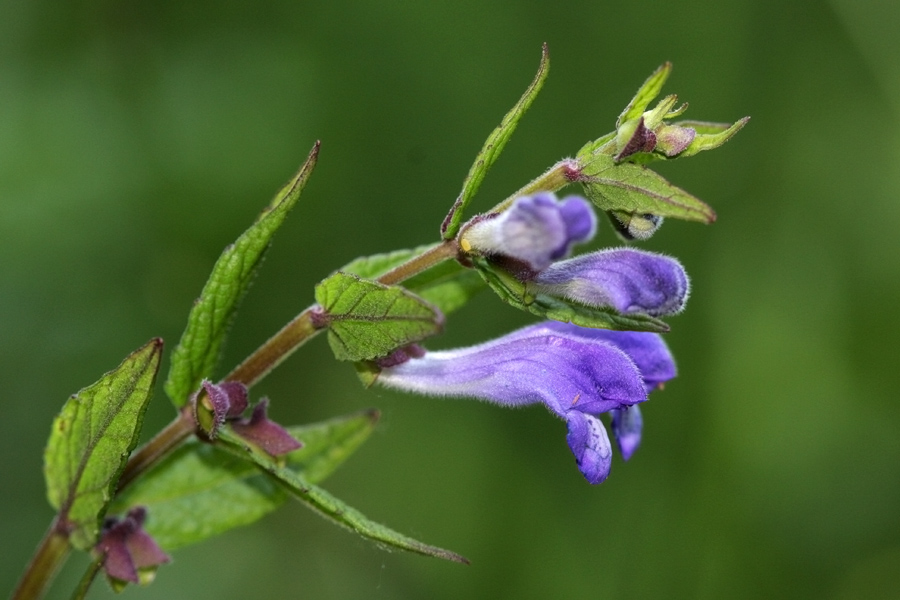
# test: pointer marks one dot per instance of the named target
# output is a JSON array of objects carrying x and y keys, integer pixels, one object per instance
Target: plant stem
[
  {"x": 276, "y": 349},
  {"x": 162, "y": 443},
  {"x": 87, "y": 579},
  {"x": 55, "y": 546},
  {"x": 47, "y": 559},
  {"x": 556, "y": 177},
  {"x": 303, "y": 327},
  {"x": 417, "y": 264}
]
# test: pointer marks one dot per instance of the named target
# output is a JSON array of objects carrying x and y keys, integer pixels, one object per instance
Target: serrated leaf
[
  {"x": 636, "y": 189},
  {"x": 448, "y": 285},
  {"x": 91, "y": 440},
  {"x": 516, "y": 293},
  {"x": 201, "y": 343},
  {"x": 200, "y": 490},
  {"x": 367, "y": 319},
  {"x": 332, "y": 508},
  {"x": 492, "y": 148},
  {"x": 645, "y": 95}
]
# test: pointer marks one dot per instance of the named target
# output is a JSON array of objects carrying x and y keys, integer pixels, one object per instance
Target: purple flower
[
  {"x": 531, "y": 239},
  {"x": 630, "y": 281},
  {"x": 227, "y": 401},
  {"x": 128, "y": 550},
  {"x": 535, "y": 230},
  {"x": 576, "y": 373}
]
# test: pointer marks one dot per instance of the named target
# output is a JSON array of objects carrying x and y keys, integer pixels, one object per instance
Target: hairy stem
[
  {"x": 55, "y": 546},
  {"x": 47, "y": 559},
  {"x": 556, "y": 177},
  {"x": 417, "y": 264},
  {"x": 303, "y": 327},
  {"x": 276, "y": 349}
]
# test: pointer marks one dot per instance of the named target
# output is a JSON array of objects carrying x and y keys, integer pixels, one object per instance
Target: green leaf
[
  {"x": 448, "y": 285},
  {"x": 597, "y": 146},
  {"x": 515, "y": 293},
  {"x": 201, "y": 490},
  {"x": 645, "y": 95},
  {"x": 367, "y": 319},
  {"x": 636, "y": 189},
  {"x": 330, "y": 507},
  {"x": 710, "y": 135},
  {"x": 492, "y": 148},
  {"x": 91, "y": 440},
  {"x": 201, "y": 343}
]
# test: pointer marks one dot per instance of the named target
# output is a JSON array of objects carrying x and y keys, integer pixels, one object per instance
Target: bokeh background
[{"x": 138, "y": 139}]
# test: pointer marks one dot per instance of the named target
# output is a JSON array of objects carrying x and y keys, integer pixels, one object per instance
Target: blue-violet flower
[
  {"x": 577, "y": 373},
  {"x": 531, "y": 238},
  {"x": 628, "y": 280},
  {"x": 535, "y": 230}
]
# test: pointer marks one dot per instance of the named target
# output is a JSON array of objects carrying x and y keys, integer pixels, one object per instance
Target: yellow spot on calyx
[{"x": 465, "y": 245}]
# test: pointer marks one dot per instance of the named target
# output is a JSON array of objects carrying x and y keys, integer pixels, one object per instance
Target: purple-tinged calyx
[
  {"x": 265, "y": 433},
  {"x": 218, "y": 403},
  {"x": 627, "y": 280},
  {"x": 130, "y": 554},
  {"x": 576, "y": 373},
  {"x": 535, "y": 230}
]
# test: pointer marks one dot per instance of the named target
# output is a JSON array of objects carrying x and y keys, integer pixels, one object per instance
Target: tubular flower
[
  {"x": 576, "y": 373},
  {"x": 535, "y": 230},
  {"x": 532, "y": 239},
  {"x": 630, "y": 281}
]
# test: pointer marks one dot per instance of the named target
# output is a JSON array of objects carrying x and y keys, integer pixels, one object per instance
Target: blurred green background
[{"x": 138, "y": 139}]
